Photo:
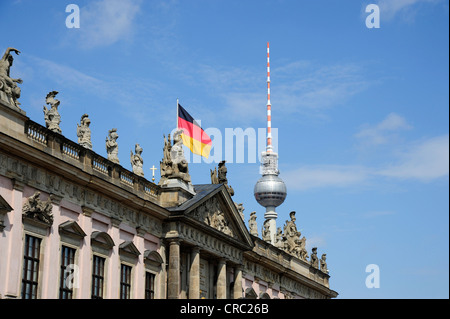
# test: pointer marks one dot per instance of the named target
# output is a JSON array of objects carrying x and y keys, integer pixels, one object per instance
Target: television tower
[{"x": 270, "y": 190}]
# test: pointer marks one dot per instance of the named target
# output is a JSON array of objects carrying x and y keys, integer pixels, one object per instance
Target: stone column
[
  {"x": 194, "y": 274},
  {"x": 237, "y": 289},
  {"x": 173, "y": 280},
  {"x": 222, "y": 279}
]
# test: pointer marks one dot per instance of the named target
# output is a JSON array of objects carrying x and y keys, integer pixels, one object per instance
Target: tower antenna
[{"x": 269, "y": 106}]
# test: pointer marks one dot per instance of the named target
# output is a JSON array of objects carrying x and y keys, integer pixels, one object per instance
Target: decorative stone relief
[
  {"x": 210, "y": 213},
  {"x": 38, "y": 210}
]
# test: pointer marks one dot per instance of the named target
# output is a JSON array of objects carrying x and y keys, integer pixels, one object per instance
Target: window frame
[
  {"x": 127, "y": 285},
  {"x": 72, "y": 291},
  {"x": 36, "y": 266},
  {"x": 150, "y": 291},
  {"x": 95, "y": 276}
]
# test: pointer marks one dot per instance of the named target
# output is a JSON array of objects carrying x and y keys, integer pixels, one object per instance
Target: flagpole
[{"x": 177, "y": 114}]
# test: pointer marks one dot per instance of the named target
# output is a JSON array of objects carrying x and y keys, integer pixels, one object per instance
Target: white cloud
[
  {"x": 105, "y": 22},
  {"x": 384, "y": 131},
  {"x": 132, "y": 93},
  {"x": 309, "y": 177},
  {"x": 424, "y": 161},
  {"x": 390, "y": 8},
  {"x": 297, "y": 87}
]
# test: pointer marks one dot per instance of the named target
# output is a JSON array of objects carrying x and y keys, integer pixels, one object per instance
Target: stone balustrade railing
[{"x": 89, "y": 161}]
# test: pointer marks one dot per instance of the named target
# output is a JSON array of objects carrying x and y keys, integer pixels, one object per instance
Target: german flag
[{"x": 193, "y": 135}]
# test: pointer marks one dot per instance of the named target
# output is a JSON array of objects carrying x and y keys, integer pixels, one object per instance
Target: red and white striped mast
[
  {"x": 270, "y": 190},
  {"x": 269, "y": 111}
]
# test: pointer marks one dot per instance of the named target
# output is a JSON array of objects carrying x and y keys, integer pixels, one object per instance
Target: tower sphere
[{"x": 270, "y": 191}]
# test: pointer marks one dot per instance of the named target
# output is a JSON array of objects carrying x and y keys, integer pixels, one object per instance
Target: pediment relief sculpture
[{"x": 210, "y": 212}]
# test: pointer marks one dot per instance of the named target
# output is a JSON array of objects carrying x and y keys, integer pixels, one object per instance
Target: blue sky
[{"x": 362, "y": 114}]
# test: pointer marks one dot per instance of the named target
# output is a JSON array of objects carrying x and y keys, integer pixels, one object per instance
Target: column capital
[
  {"x": 174, "y": 241},
  {"x": 222, "y": 261},
  {"x": 195, "y": 249}
]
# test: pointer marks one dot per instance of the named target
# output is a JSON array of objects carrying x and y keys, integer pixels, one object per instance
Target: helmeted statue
[{"x": 52, "y": 117}]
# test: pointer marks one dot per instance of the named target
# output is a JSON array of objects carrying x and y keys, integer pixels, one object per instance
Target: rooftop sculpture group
[
  {"x": 174, "y": 164},
  {"x": 289, "y": 240}
]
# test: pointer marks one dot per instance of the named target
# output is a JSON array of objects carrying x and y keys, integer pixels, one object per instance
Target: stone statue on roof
[
  {"x": 84, "y": 132},
  {"x": 112, "y": 148},
  {"x": 219, "y": 176},
  {"x": 9, "y": 91},
  {"x": 136, "y": 160},
  {"x": 51, "y": 116},
  {"x": 323, "y": 264},
  {"x": 314, "y": 259},
  {"x": 253, "y": 227},
  {"x": 174, "y": 165}
]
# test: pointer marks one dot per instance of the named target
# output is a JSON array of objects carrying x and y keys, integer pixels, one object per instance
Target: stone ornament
[
  {"x": 253, "y": 227},
  {"x": 211, "y": 214},
  {"x": 52, "y": 117},
  {"x": 323, "y": 264},
  {"x": 266, "y": 231},
  {"x": 219, "y": 176},
  {"x": 136, "y": 160},
  {"x": 112, "y": 148},
  {"x": 9, "y": 91},
  {"x": 314, "y": 258},
  {"x": 84, "y": 132},
  {"x": 240, "y": 208},
  {"x": 174, "y": 164},
  {"x": 38, "y": 210}
]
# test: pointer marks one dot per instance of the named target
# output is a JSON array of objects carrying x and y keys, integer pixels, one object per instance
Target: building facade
[{"x": 74, "y": 224}]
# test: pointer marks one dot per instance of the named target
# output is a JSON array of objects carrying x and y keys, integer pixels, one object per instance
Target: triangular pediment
[
  {"x": 217, "y": 210},
  {"x": 72, "y": 229},
  {"x": 4, "y": 206},
  {"x": 128, "y": 247}
]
